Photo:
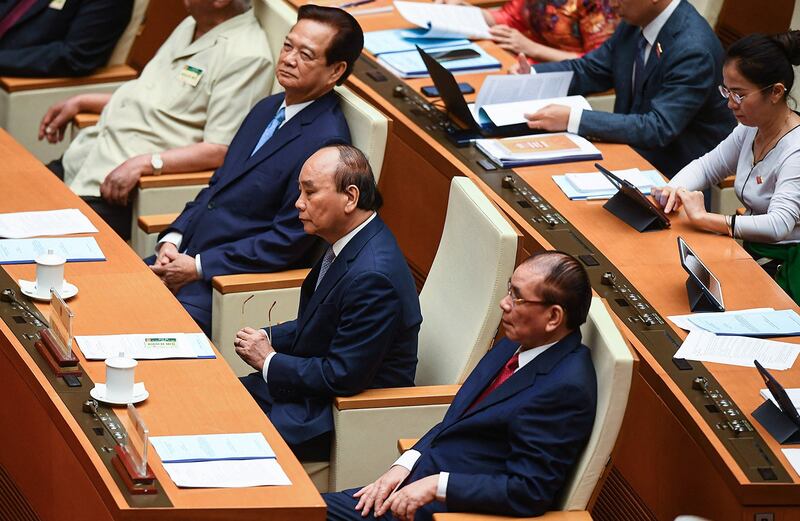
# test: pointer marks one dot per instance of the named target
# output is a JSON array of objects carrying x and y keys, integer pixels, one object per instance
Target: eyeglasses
[
  {"x": 738, "y": 98},
  {"x": 516, "y": 301}
]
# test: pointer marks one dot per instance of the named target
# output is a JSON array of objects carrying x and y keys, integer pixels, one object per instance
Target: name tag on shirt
[
  {"x": 191, "y": 75},
  {"x": 57, "y": 4}
]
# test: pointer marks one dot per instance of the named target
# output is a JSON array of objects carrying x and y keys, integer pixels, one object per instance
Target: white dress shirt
[
  {"x": 650, "y": 33},
  {"x": 337, "y": 247},
  {"x": 176, "y": 238},
  {"x": 410, "y": 457}
]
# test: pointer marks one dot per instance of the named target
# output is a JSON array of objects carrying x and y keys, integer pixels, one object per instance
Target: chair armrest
[
  {"x": 182, "y": 179},
  {"x": 727, "y": 182},
  {"x": 575, "y": 515},
  {"x": 404, "y": 444},
  {"x": 114, "y": 73},
  {"x": 398, "y": 397},
  {"x": 156, "y": 223},
  {"x": 247, "y": 282},
  {"x": 85, "y": 119}
]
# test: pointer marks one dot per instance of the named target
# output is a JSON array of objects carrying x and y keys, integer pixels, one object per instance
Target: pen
[
  {"x": 597, "y": 197},
  {"x": 355, "y": 4}
]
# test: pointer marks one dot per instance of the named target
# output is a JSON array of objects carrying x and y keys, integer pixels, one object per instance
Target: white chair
[
  {"x": 23, "y": 101},
  {"x": 613, "y": 363}
]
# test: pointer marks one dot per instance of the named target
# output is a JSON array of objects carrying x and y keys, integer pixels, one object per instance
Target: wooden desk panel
[{"x": 45, "y": 450}]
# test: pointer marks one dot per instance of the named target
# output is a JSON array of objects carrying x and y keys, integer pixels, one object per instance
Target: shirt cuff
[
  {"x": 574, "y": 123},
  {"x": 408, "y": 459},
  {"x": 198, "y": 266},
  {"x": 265, "y": 369},
  {"x": 441, "y": 488},
  {"x": 173, "y": 237}
]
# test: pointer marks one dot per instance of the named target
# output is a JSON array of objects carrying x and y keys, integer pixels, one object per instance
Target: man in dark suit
[
  {"x": 359, "y": 313},
  {"x": 518, "y": 424},
  {"x": 59, "y": 37},
  {"x": 664, "y": 63},
  {"x": 246, "y": 221}
]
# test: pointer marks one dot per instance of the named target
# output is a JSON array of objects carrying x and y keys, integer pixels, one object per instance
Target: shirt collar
[
  {"x": 651, "y": 30},
  {"x": 529, "y": 354},
  {"x": 339, "y": 245},
  {"x": 292, "y": 110}
]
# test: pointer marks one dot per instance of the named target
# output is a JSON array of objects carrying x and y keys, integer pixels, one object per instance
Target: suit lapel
[
  {"x": 35, "y": 9},
  {"x": 664, "y": 40}
]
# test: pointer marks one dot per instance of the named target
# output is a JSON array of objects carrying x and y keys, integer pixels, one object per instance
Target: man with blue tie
[
  {"x": 358, "y": 318},
  {"x": 246, "y": 221},
  {"x": 518, "y": 424},
  {"x": 664, "y": 63}
]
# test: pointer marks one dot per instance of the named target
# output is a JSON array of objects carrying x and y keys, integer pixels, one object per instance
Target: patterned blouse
[{"x": 570, "y": 25}]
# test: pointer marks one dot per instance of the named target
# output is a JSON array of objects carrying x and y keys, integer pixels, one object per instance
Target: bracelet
[{"x": 733, "y": 225}]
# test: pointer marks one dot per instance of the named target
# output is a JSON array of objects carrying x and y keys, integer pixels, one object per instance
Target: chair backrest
[
  {"x": 795, "y": 24},
  {"x": 369, "y": 128},
  {"x": 276, "y": 18},
  {"x": 468, "y": 278},
  {"x": 125, "y": 42},
  {"x": 613, "y": 364},
  {"x": 709, "y": 9}
]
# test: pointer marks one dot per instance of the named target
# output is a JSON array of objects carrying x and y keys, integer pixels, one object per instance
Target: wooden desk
[{"x": 45, "y": 455}]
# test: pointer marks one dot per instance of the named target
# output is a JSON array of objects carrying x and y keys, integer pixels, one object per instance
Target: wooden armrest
[
  {"x": 727, "y": 182},
  {"x": 246, "y": 282},
  {"x": 609, "y": 92},
  {"x": 184, "y": 179},
  {"x": 156, "y": 223},
  {"x": 114, "y": 73},
  {"x": 398, "y": 397},
  {"x": 575, "y": 515},
  {"x": 85, "y": 119},
  {"x": 403, "y": 444}
]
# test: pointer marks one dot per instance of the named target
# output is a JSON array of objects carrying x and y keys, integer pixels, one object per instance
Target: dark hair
[
  {"x": 349, "y": 38},
  {"x": 354, "y": 169},
  {"x": 767, "y": 60},
  {"x": 566, "y": 283}
]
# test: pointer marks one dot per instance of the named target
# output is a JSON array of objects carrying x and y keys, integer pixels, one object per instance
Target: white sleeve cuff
[
  {"x": 265, "y": 369},
  {"x": 441, "y": 488},
  {"x": 574, "y": 123},
  {"x": 408, "y": 459},
  {"x": 198, "y": 266},
  {"x": 173, "y": 237}
]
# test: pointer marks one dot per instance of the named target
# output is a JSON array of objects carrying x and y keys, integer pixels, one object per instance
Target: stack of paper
[
  {"x": 154, "y": 346},
  {"x": 20, "y": 225},
  {"x": 220, "y": 460},
  {"x": 785, "y": 322},
  {"x": 402, "y": 40},
  {"x": 794, "y": 396},
  {"x": 513, "y": 113},
  {"x": 509, "y": 88},
  {"x": 685, "y": 321},
  {"x": 538, "y": 149},
  {"x": 409, "y": 64},
  {"x": 445, "y": 21},
  {"x": 594, "y": 185},
  {"x": 737, "y": 350},
  {"x": 25, "y": 251}
]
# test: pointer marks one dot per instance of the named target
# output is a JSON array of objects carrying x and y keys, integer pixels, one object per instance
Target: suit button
[{"x": 210, "y": 205}]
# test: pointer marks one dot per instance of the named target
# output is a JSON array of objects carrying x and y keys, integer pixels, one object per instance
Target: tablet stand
[
  {"x": 777, "y": 423},
  {"x": 698, "y": 300},
  {"x": 631, "y": 213}
]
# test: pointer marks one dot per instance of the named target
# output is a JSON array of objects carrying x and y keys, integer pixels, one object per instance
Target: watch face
[{"x": 156, "y": 162}]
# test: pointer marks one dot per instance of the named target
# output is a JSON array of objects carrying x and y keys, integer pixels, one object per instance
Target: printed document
[
  {"x": 445, "y": 21},
  {"x": 794, "y": 396},
  {"x": 594, "y": 185},
  {"x": 514, "y": 113},
  {"x": 785, "y": 322},
  {"x": 153, "y": 346},
  {"x": 20, "y": 225},
  {"x": 508, "y": 88},
  {"x": 684, "y": 321},
  {"x": 793, "y": 455},
  {"x": 25, "y": 251},
  {"x": 227, "y": 473},
  {"x": 737, "y": 350},
  {"x": 208, "y": 447}
]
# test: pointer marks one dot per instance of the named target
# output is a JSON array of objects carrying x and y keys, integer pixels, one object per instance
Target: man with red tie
[{"x": 518, "y": 424}]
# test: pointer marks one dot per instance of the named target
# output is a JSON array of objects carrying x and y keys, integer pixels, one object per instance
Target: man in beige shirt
[{"x": 178, "y": 116}]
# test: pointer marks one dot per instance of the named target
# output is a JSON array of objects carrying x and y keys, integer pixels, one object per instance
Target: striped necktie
[{"x": 327, "y": 260}]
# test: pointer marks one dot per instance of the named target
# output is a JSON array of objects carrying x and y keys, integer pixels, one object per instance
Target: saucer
[
  {"x": 139, "y": 394},
  {"x": 28, "y": 288}
]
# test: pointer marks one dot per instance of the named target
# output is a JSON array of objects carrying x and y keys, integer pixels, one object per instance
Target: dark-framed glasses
[
  {"x": 738, "y": 98},
  {"x": 517, "y": 301}
]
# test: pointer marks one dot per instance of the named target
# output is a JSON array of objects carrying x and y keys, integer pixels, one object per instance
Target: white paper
[
  {"x": 590, "y": 182},
  {"x": 188, "y": 345},
  {"x": 683, "y": 322},
  {"x": 794, "y": 396},
  {"x": 210, "y": 447},
  {"x": 508, "y": 88},
  {"x": 737, "y": 350},
  {"x": 227, "y": 473},
  {"x": 514, "y": 113},
  {"x": 445, "y": 21},
  {"x": 793, "y": 455},
  {"x": 25, "y": 251},
  {"x": 20, "y": 225}
]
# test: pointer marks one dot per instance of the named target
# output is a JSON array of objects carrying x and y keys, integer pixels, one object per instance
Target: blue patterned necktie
[
  {"x": 638, "y": 80},
  {"x": 327, "y": 260},
  {"x": 270, "y": 130}
]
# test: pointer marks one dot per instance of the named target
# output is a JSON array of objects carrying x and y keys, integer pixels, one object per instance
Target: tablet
[
  {"x": 701, "y": 276},
  {"x": 779, "y": 393},
  {"x": 632, "y": 206}
]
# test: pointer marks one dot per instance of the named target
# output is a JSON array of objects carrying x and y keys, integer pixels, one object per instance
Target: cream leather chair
[
  {"x": 24, "y": 100},
  {"x": 613, "y": 363}
]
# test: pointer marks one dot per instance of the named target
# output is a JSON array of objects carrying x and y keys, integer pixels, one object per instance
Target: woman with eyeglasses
[{"x": 763, "y": 151}]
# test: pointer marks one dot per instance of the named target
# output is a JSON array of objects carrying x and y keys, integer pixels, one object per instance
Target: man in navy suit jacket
[
  {"x": 359, "y": 313},
  {"x": 246, "y": 220},
  {"x": 518, "y": 424},
  {"x": 61, "y": 37},
  {"x": 671, "y": 113}
]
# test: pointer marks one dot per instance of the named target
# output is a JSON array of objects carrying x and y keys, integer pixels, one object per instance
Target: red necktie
[
  {"x": 15, "y": 14},
  {"x": 504, "y": 374}
]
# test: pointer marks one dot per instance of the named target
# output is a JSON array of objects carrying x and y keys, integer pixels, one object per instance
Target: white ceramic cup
[
  {"x": 119, "y": 378},
  {"x": 49, "y": 273}
]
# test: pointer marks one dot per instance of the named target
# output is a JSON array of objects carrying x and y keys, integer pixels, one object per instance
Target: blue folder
[
  {"x": 400, "y": 40},
  {"x": 409, "y": 64}
]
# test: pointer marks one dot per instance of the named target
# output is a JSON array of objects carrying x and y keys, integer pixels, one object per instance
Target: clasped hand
[
  {"x": 174, "y": 269},
  {"x": 381, "y": 496},
  {"x": 253, "y": 346}
]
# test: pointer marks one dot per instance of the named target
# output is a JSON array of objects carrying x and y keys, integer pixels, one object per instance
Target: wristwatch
[{"x": 157, "y": 163}]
